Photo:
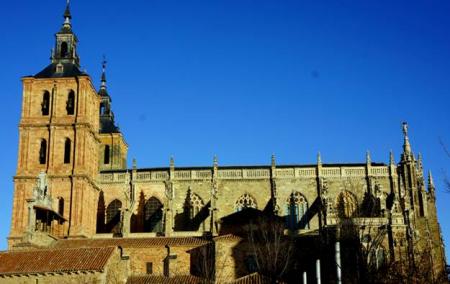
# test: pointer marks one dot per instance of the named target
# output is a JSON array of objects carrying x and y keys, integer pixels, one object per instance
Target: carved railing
[{"x": 249, "y": 173}]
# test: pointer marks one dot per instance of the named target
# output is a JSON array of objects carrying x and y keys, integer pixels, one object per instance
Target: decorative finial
[
  {"x": 430, "y": 180},
  {"x": 215, "y": 161},
  {"x": 67, "y": 14},
  {"x": 405, "y": 128},
  {"x": 406, "y": 145},
  {"x": 172, "y": 162},
  {"x": 319, "y": 158},
  {"x": 391, "y": 158},
  {"x": 103, "y": 86},
  {"x": 368, "y": 159},
  {"x": 134, "y": 164},
  {"x": 431, "y": 188},
  {"x": 273, "y": 161},
  {"x": 419, "y": 161}
]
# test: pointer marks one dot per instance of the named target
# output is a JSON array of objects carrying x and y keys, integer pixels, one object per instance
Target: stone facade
[{"x": 67, "y": 132}]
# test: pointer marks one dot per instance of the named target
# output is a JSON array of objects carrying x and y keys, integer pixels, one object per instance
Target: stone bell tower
[{"x": 59, "y": 136}]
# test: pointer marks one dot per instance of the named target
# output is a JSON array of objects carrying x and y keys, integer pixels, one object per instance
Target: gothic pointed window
[
  {"x": 153, "y": 215},
  {"x": 106, "y": 155},
  {"x": 196, "y": 205},
  {"x": 67, "y": 146},
  {"x": 45, "y": 105},
  {"x": 113, "y": 216},
  {"x": 43, "y": 152},
  {"x": 64, "y": 49},
  {"x": 347, "y": 204},
  {"x": 296, "y": 209},
  {"x": 244, "y": 202},
  {"x": 70, "y": 105}
]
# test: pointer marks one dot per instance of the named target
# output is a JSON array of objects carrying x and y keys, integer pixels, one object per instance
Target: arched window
[
  {"x": 347, "y": 205},
  {"x": 113, "y": 216},
  {"x": 43, "y": 152},
  {"x": 153, "y": 215},
  {"x": 67, "y": 146},
  {"x": 61, "y": 206},
  {"x": 296, "y": 208},
  {"x": 106, "y": 155},
  {"x": 70, "y": 105},
  {"x": 196, "y": 205},
  {"x": 64, "y": 49},
  {"x": 245, "y": 201},
  {"x": 102, "y": 108},
  {"x": 45, "y": 105}
]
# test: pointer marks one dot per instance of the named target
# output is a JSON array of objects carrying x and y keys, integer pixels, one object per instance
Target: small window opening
[
  {"x": 67, "y": 146},
  {"x": 61, "y": 206},
  {"x": 43, "y": 152},
  {"x": 102, "y": 109},
  {"x": 106, "y": 155},
  {"x": 70, "y": 106},
  {"x": 64, "y": 49},
  {"x": 45, "y": 105},
  {"x": 59, "y": 68},
  {"x": 149, "y": 266}
]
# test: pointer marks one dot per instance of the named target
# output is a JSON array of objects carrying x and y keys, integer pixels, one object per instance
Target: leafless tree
[{"x": 271, "y": 247}]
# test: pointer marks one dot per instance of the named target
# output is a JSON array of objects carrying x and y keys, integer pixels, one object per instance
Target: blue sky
[{"x": 244, "y": 79}]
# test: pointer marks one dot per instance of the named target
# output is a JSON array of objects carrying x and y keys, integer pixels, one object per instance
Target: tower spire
[
  {"x": 103, "y": 85},
  {"x": 67, "y": 15}
]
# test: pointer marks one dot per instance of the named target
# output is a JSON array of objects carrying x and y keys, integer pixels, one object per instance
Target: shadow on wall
[
  {"x": 194, "y": 214},
  {"x": 149, "y": 217}
]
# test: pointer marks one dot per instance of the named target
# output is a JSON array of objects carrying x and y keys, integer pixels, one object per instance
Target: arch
[
  {"x": 67, "y": 148},
  {"x": 45, "y": 105},
  {"x": 106, "y": 155},
  {"x": 102, "y": 108},
  {"x": 113, "y": 216},
  {"x": 43, "y": 152},
  {"x": 296, "y": 210},
  {"x": 61, "y": 206},
  {"x": 64, "y": 49},
  {"x": 153, "y": 213},
  {"x": 347, "y": 204},
  {"x": 244, "y": 202},
  {"x": 197, "y": 204},
  {"x": 70, "y": 104}
]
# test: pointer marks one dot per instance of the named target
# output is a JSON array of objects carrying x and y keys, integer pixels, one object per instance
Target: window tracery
[
  {"x": 296, "y": 209},
  {"x": 245, "y": 201}
]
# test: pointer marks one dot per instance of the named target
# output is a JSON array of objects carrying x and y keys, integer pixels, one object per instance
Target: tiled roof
[
  {"x": 228, "y": 237},
  {"x": 254, "y": 278},
  {"x": 54, "y": 260},
  {"x": 132, "y": 242},
  {"x": 188, "y": 279}
]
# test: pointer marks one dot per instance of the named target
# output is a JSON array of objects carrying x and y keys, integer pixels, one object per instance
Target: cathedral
[{"x": 80, "y": 215}]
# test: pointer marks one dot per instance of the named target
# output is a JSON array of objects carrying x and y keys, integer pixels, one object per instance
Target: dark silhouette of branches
[{"x": 272, "y": 249}]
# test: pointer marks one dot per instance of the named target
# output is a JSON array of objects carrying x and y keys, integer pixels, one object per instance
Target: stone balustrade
[{"x": 250, "y": 173}]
